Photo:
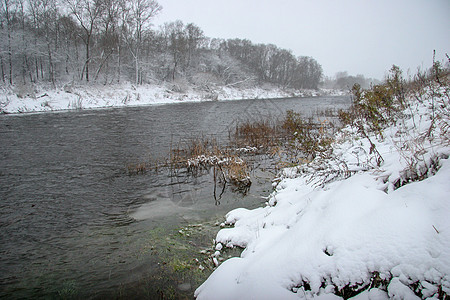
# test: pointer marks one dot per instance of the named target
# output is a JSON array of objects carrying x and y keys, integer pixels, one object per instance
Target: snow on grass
[
  {"x": 346, "y": 227},
  {"x": 22, "y": 99}
]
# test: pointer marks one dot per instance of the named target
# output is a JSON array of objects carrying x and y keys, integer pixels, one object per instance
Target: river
[{"x": 75, "y": 224}]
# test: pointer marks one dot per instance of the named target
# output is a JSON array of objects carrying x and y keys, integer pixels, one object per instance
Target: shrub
[
  {"x": 308, "y": 137},
  {"x": 375, "y": 108}
]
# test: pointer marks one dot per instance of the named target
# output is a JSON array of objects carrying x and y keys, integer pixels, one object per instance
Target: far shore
[{"x": 21, "y": 99}]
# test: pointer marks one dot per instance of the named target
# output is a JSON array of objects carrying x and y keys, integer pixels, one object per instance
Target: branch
[{"x": 242, "y": 81}]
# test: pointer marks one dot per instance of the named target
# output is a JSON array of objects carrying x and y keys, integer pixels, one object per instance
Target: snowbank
[
  {"x": 21, "y": 99},
  {"x": 350, "y": 228}
]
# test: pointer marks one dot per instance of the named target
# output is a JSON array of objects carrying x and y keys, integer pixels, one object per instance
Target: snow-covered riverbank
[
  {"x": 344, "y": 227},
  {"x": 22, "y": 99}
]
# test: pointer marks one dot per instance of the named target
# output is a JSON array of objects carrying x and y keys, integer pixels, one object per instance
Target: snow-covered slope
[
  {"x": 20, "y": 99},
  {"x": 383, "y": 230}
]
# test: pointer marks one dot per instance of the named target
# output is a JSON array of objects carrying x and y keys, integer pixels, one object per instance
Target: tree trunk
[
  {"x": 137, "y": 70},
  {"x": 10, "y": 58},
  {"x": 24, "y": 70},
  {"x": 50, "y": 63},
  {"x": 42, "y": 68},
  {"x": 29, "y": 71},
  {"x": 118, "y": 63},
  {"x": 67, "y": 63},
  {"x": 37, "y": 68},
  {"x": 3, "y": 69},
  {"x": 87, "y": 58},
  {"x": 136, "y": 61},
  {"x": 102, "y": 62},
  {"x": 174, "y": 68}
]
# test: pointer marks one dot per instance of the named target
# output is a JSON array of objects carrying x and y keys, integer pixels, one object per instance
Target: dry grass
[
  {"x": 261, "y": 133},
  {"x": 136, "y": 169}
]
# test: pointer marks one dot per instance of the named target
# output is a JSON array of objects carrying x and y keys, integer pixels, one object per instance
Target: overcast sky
[{"x": 359, "y": 36}]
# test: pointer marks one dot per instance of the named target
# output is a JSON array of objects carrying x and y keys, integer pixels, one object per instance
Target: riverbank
[
  {"x": 370, "y": 221},
  {"x": 24, "y": 99}
]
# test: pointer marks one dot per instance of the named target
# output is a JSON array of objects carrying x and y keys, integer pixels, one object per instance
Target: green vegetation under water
[{"x": 184, "y": 256}]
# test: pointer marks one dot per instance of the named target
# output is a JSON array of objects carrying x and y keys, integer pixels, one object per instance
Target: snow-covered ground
[
  {"x": 21, "y": 99},
  {"x": 382, "y": 230}
]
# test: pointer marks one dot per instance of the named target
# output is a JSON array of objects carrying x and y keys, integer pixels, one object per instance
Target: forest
[{"x": 113, "y": 41}]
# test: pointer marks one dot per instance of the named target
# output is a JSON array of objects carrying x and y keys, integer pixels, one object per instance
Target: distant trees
[
  {"x": 182, "y": 43},
  {"x": 112, "y": 40},
  {"x": 344, "y": 81},
  {"x": 278, "y": 66}
]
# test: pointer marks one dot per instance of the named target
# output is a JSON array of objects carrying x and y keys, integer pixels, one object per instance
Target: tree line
[
  {"x": 110, "y": 41},
  {"x": 344, "y": 81}
]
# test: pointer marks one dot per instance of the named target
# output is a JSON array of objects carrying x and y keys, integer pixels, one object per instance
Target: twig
[
  {"x": 45, "y": 95},
  {"x": 435, "y": 229}
]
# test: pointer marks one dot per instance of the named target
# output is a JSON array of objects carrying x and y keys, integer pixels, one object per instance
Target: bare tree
[
  {"x": 194, "y": 38},
  {"x": 137, "y": 18},
  {"x": 110, "y": 38},
  {"x": 87, "y": 13},
  {"x": 8, "y": 11},
  {"x": 44, "y": 15},
  {"x": 177, "y": 43}
]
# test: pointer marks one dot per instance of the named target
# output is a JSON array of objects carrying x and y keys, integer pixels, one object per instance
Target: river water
[{"x": 75, "y": 224}]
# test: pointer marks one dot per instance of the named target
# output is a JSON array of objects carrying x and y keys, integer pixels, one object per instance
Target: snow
[
  {"x": 22, "y": 99},
  {"x": 372, "y": 294},
  {"x": 320, "y": 234}
]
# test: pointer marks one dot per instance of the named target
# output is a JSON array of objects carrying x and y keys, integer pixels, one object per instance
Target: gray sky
[{"x": 359, "y": 36}]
